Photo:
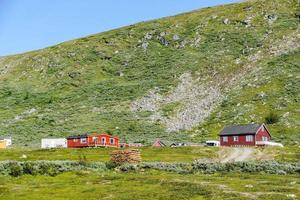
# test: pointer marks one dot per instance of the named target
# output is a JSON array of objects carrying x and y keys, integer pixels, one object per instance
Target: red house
[
  {"x": 92, "y": 140},
  {"x": 158, "y": 143},
  {"x": 245, "y": 135}
]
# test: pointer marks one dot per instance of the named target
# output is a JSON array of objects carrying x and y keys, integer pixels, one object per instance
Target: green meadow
[
  {"x": 149, "y": 154},
  {"x": 150, "y": 185}
]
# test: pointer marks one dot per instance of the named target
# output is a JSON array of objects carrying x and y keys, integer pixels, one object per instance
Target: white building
[
  {"x": 7, "y": 140},
  {"x": 212, "y": 143},
  {"x": 49, "y": 143}
]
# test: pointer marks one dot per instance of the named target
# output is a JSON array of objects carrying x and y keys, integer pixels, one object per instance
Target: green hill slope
[{"x": 176, "y": 78}]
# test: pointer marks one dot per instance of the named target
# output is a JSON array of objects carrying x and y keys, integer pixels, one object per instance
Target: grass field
[
  {"x": 183, "y": 154},
  {"x": 150, "y": 185}
]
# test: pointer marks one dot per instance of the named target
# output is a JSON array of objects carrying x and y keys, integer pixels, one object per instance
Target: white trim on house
[
  {"x": 83, "y": 140},
  {"x": 265, "y": 130},
  {"x": 235, "y": 138},
  {"x": 112, "y": 140},
  {"x": 249, "y": 138},
  {"x": 225, "y": 138},
  {"x": 103, "y": 140}
]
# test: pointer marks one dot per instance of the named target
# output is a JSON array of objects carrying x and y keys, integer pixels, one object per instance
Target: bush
[
  {"x": 30, "y": 168},
  {"x": 172, "y": 167},
  {"x": 271, "y": 167},
  {"x": 128, "y": 167},
  {"x": 49, "y": 168},
  {"x": 15, "y": 169},
  {"x": 272, "y": 118}
]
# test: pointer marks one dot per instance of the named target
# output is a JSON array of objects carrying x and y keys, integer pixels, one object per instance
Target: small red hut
[
  {"x": 245, "y": 135},
  {"x": 158, "y": 143},
  {"x": 93, "y": 140}
]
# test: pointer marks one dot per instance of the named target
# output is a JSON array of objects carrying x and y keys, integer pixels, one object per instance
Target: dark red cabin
[
  {"x": 245, "y": 135},
  {"x": 93, "y": 140}
]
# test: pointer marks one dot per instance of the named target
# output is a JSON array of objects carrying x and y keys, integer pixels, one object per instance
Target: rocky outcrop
[{"x": 199, "y": 97}]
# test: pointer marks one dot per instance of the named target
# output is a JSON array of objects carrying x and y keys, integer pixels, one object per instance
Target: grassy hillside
[{"x": 176, "y": 78}]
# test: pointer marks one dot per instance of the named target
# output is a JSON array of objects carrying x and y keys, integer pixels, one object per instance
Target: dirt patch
[{"x": 242, "y": 154}]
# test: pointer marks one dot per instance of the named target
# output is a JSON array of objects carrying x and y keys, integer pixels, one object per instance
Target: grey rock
[
  {"x": 176, "y": 37},
  {"x": 163, "y": 41},
  {"x": 145, "y": 45},
  {"x": 226, "y": 21}
]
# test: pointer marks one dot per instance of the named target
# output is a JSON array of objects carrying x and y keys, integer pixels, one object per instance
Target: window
[
  {"x": 74, "y": 140},
  {"x": 82, "y": 140},
  {"x": 235, "y": 138},
  {"x": 264, "y": 138},
  {"x": 249, "y": 138},
  {"x": 225, "y": 139},
  {"x": 95, "y": 139},
  {"x": 112, "y": 140},
  {"x": 103, "y": 140}
]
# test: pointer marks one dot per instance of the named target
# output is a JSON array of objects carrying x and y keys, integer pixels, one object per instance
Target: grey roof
[
  {"x": 77, "y": 136},
  {"x": 240, "y": 129}
]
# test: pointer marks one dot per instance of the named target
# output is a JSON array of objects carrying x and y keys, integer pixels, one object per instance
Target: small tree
[{"x": 272, "y": 118}]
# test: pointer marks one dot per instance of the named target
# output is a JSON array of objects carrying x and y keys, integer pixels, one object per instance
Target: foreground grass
[
  {"x": 186, "y": 154},
  {"x": 150, "y": 185}
]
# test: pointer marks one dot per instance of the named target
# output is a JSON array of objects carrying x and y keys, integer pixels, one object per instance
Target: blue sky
[{"x": 33, "y": 24}]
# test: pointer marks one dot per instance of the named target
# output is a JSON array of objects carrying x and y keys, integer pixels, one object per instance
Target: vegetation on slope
[{"x": 91, "y": 84}]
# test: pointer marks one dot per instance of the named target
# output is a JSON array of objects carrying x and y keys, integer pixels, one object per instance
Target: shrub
[
  {"x": 48, "y": 168},
  {"x": 128, "y": 167},
  {"x": 30, "y": 168},
  {"x": 172, "y": 167},
  {"x": 272, "y": 118},
  {"x": 15, "y": 169},
  {"x": 271, "y": 167}
]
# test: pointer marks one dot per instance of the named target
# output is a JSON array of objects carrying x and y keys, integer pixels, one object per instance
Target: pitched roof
[
  {"x": 240, "y": 129},
  {"x": 162, "y": 144}
]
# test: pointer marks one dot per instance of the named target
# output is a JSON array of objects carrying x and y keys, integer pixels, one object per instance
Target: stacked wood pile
[{"x": 131, "y": 156}]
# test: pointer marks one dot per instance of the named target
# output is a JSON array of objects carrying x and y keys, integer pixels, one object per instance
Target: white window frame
[
  {"x": 74, "y": 140},
  {"x": 235, "y": 138},
  {"x": 103, "y": 140},
  {"x": 95, "y": 139},
  {"x": 225, "y": 138},
  {"x": 249, "y": 138},
  {"x": 264, "y": 138},
  {"x": 83, "y": 140},
  {"x": 112, "y": 140}
]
